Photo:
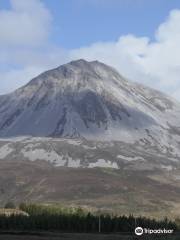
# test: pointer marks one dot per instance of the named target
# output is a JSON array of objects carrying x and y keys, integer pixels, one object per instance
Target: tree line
[{"x": 56, "y": 218}]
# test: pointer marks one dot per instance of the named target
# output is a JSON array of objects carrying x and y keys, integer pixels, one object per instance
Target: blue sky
[
  {"x": 138, "y": 37},
  {"x": 78, "y": 23}
]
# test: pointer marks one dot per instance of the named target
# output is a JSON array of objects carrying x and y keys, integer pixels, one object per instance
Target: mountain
[{"x": 92, "y": 101}]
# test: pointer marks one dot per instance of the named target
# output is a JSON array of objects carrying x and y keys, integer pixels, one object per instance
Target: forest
[{"x": 76, "y": 220}]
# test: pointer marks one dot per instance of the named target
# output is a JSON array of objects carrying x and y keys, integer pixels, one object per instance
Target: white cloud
[
  {"x": 24, "y": 31},
  {"x": 28, "y": 64},
  {"x": 156, "y": 63},
  {"x": 15, "y": 78},
  {"x": 27, "y": 23}
]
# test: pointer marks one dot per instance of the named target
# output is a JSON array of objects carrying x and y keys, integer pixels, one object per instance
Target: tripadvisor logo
[{"x": 140, "y": 231}]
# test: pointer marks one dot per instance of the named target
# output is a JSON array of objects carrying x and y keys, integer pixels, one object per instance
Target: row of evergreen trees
[{"x": 54, "y": 218}]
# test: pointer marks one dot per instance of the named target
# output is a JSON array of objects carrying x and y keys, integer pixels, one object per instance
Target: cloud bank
[
  {"x": 25, "y": 50},
  {"x": 27, "y": 23},
  {"x": 154, "y": 63},
  {"x": 24, "y": 32}
]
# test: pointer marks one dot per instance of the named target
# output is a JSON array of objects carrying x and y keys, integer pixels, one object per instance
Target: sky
[{"x": 140, "y": 38}]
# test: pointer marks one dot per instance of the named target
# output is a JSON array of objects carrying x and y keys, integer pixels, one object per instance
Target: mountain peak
[
  {"x": 78, "y": 74},
  {"x": 79, "y": 62},
  {"x": 88, "y": 65},
  {"x": 82, "y": 62},
  {"x": 83, "y": 65}
]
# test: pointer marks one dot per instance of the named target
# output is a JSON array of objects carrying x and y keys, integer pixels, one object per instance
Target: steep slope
[{"x": 91, "y": 100}]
